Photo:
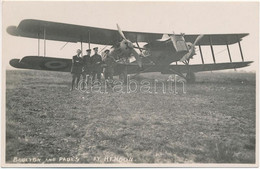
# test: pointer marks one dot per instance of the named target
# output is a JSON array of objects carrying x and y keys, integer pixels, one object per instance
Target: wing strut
[
  {"x": 240, "y": 49},
  {"x": 138, "y": 46},
  {"x": 44, "y": 35},
  {"x": 201, "y": 55},
  {"x": 212, "y": 51},
  {"x": 38, "y": 44},
  {"x": 81, "y": 47},
  {"x": 88, "y": 40},
  {"x": 229, "y": 53}
]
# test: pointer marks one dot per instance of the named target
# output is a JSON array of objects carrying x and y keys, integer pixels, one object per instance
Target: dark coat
[
  {"x": 77, "y": 64},
  {"x": 96, "y": 60},
  {"x": 110, "y": 63},
  {"x": 87, "y": 64}
]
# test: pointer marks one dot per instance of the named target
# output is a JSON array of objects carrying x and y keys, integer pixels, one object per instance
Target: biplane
[{"x": 161, "y": 52}]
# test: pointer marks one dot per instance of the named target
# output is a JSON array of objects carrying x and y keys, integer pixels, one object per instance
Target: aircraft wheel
[{"x": 190, "y": 77}]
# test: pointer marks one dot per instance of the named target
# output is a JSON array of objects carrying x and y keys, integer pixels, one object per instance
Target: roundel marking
[{"x": 55, "y": 64}]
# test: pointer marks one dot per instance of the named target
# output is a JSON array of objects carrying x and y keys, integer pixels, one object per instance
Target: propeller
[
  {"x": 198, "y": 39},
  {"x": 192, "y": 50},
  {"x": 121, "y": 32},
  {"x": 128, "y": 45}
]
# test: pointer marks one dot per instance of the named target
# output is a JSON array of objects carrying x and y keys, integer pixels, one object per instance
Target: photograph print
[{"x": 130, "y": 84}]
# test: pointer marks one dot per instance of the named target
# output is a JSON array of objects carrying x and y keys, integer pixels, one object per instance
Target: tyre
[{"x": 190, "y": 77}]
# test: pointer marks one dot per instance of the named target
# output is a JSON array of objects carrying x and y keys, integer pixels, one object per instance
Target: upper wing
[
  {"x": 216, "y": 39},
  {"x": 63, "y": 32},
  {"x": 74, "y": 33}
]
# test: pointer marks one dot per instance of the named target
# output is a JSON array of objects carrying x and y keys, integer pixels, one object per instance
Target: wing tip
[
  {"x": 249, "y": 62},
  {"x": 12, "y": 30},
  {"x": 15, "y": 63}
]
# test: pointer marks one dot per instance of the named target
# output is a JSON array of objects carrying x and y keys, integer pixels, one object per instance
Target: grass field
[{"x": 214, "y": 122}]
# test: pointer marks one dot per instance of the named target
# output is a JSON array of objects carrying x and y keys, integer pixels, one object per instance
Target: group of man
[{"x": 91, "y": 66}]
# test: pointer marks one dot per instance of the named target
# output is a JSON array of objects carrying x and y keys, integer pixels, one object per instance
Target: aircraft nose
[{"x": 130, "y": 44}]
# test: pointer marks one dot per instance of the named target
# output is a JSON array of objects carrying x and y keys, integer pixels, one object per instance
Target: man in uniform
[
  {"x": 76, "y": 69},
  {"x": 109, "y": 62},
  {"x": 96, "y": 60},
  {"x": 86, "y": 67}
]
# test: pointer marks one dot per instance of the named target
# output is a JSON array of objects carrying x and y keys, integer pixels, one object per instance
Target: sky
[{"x": 157, "y": 17}]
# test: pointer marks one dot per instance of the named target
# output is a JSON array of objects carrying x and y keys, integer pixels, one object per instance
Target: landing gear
[
  {"x": 123, "y": 74},
  {"x": 190, "y": 77}
]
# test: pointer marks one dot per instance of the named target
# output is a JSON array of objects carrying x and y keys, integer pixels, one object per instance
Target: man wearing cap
[
  {"x": 109, "y": 62},
  {"x": 96, "y": 60},
  {"x": 86, "y": 67},
  {"x": 76, "y": 69}
]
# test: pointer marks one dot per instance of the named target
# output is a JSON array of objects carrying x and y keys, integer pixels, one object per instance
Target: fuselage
[
  {"x": 163, "y": 53},
  {"x": 160, "y": 53}
]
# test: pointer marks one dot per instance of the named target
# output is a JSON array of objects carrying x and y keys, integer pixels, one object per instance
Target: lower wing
[
  {"x": 205, "y": 67},
  {"x": 64, "y": 65},
  {"x": 42, "y": 63}
]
